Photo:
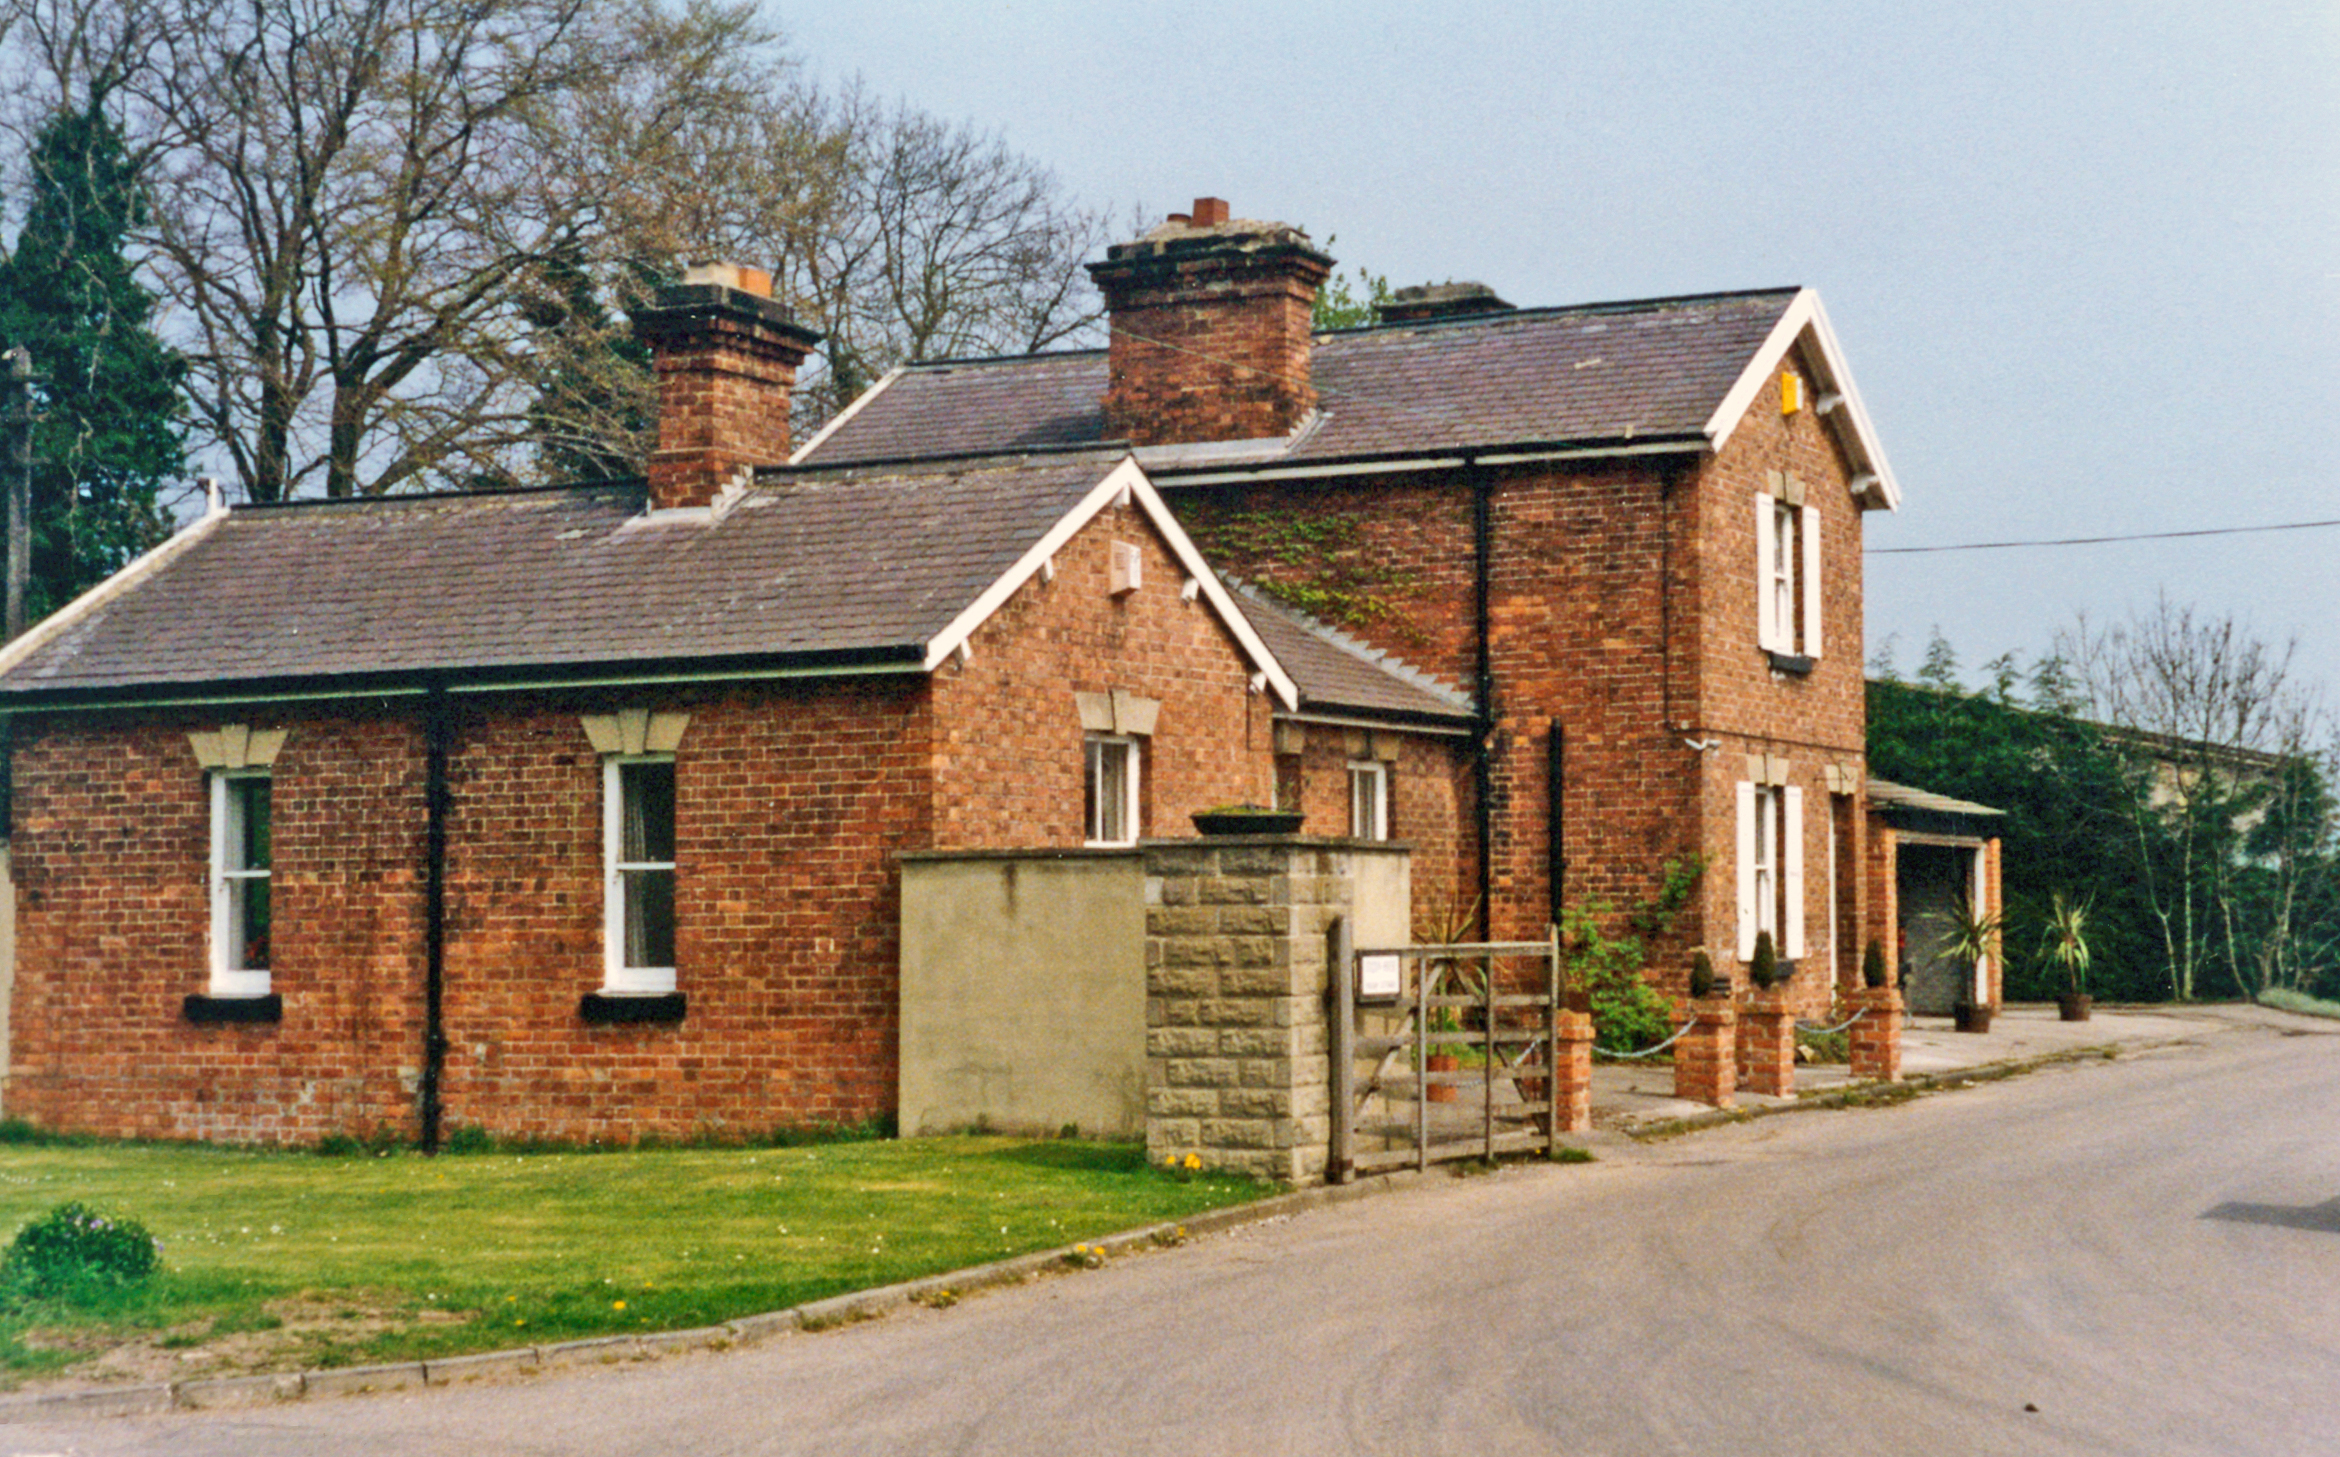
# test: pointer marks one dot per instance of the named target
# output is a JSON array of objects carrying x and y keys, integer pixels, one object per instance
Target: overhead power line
[{"x": 2101, "y": 540}]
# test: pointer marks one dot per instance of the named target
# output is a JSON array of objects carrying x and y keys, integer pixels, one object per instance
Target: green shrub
[
  {"x": 1763, "y": 971},
  {"x": 1628, "y": 1014},
  {"x": 1702, "y": 975},
  {"x": 1873, "y": 966},
  {"x": 2286, "y": 1000},
  {"x": 73, "y": 1252}
]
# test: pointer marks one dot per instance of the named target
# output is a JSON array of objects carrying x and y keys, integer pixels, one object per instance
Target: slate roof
[
  {"x": 1921, "y": 811},
  {"x": 1338, "y": 675},
  {"x": 807, "y": 569},
  {"x": 1884, "y": 792},
  {"x": 1652, "y": 370}
]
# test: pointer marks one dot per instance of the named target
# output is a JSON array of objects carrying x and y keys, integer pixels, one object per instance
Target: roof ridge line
[
  {"x": 1028, "y": 355},
  {"x": 406, "y": 498},
  {"x": 1533, "y": 311}
]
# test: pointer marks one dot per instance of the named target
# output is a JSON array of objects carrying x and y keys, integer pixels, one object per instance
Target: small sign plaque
[{"x": 1380, "y": 977}]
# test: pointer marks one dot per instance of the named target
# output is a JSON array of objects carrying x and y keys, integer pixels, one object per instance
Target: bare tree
[
  {"x": 2219, "y": 730},
  {"x": 398, "y": 239},
  {"x": 942, "y": 242},
  {"x": 901, "y": 237},
  {"x": 347, "y": 192}
]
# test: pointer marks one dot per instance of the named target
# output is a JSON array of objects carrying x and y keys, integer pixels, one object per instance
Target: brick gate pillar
[
  {"x": 1767, "y": 1043},
  {"x": 1706, "y": 1060},
  {"x": 1572, "y": 1064},
  {"x": 1876, "y": 1037}
]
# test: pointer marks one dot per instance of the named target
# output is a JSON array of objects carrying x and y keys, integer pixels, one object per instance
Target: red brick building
[
  {"x": 575, "y": 812},
  {"x": 1626, "y": 537}
]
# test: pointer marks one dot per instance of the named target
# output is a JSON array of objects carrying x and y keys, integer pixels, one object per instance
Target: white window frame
[
  {"x": 617, "y": 976},
  {"x": 230, "y": 976},
  {"x": 1368, "y": 817},
  {"x": 1787, "y": 576},
  {"x": 1095, "y": 752},
  {"x": 1771, "y": 867}
]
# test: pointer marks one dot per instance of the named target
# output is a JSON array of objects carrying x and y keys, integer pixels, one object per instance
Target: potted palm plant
[
  {"x": 1445, "y": 924},
  {"x": 2067, "y": 946},
  {"x": 1972, "y": 936}
]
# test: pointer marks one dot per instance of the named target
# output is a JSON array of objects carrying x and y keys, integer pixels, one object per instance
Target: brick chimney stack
[
  {"x": 1211, "y": 321},
  {"x": 726, "y": 357}
]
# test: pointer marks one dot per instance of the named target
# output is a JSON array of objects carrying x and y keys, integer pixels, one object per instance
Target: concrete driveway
[{"x": 2129, "y": 1256}]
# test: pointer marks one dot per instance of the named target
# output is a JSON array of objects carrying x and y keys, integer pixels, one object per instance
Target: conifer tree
[{"x": 107, "y": 389}]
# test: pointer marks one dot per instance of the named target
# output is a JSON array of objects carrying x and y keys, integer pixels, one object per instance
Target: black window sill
[
  {"x": 618, "y": 1008},
  {"x": 206, "y": 1011},
  {"x": 1795, "y": 663}
]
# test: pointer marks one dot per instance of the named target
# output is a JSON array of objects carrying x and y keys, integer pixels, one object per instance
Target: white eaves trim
[
  {"x": 837, "y": 421},
  {"x": 1125, "y": 478},
  {"x": 1804, "y": 321},
  {"x": 66, "y": 618}
]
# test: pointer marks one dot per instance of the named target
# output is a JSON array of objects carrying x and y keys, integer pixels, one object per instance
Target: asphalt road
[{"x": 2146, "y": 1251}]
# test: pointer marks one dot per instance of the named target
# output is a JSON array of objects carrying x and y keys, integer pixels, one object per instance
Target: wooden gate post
[{"x": 1340, "y": 1041}]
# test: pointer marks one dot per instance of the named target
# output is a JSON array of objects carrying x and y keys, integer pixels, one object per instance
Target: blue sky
[{"x": 2081, "y": 256}]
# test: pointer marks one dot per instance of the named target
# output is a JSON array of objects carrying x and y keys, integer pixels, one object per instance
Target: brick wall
[
  {"x": 1430, "y": 794},
  {"x": 1589, "y": 585},
  {"x": 111, "y": 847},
  {"x": 1623, "y": 604},
  {"x": 790, "y": 804},
  {"x": 792, "y": 801},
  {"x": 1009, "y": 760}
]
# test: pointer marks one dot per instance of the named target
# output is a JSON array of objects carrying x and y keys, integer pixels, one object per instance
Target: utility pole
[{"x": 16, "y": 416}]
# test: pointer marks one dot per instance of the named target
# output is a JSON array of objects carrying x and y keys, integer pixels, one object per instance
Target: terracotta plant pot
[
  {"x": 1442, "y": 1062},
  {"x": 2073, "y": 1006}
]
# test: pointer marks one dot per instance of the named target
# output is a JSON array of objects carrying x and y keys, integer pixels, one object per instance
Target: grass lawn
[{"x": 283, "y": 1260}]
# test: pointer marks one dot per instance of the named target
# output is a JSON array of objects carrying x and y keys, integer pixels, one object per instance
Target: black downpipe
[
  {"x": 1483, "y": 689},
  {"x": 436, "y": 732},
  {"x": 1556, "y": 779}
]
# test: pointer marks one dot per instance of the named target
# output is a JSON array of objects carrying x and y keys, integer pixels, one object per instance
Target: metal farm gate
[{"x": 1442, "y": 1052}]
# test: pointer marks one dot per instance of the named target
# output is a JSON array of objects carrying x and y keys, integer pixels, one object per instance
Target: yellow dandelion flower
[{"x": 618, "y": 1304}]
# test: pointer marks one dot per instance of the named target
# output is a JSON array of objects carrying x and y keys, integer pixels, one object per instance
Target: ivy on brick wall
[{"x": 1317, "y": 561}]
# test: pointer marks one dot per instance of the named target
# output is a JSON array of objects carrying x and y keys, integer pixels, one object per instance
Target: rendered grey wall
[{"x": 1024, "y": 992}]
